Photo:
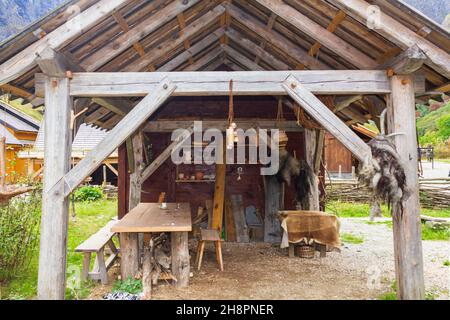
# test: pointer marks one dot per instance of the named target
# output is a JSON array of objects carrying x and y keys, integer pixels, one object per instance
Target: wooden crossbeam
[
  {"x": 320, "y": 34},
  {"x": 317, "y": 110},
  {"x": 398, "y": 33},
  {"x": 192, "y": 29},
  {"x": 151, "y": 168},
  {"x": 217, "y": 83},
  {"x": 25, "y": 60},
  {"x": 129, "y": 124},
  {"x": 135, "y": 34}
]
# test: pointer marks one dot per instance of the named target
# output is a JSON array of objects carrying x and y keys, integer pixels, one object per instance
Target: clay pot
[{"x": 199, "y": 175}]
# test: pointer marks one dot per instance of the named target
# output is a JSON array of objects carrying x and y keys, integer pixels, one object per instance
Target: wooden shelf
[{"x": 194, "y": 181}]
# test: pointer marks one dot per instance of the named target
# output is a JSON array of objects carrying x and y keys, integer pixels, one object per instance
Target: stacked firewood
[{"x": 156, "y": 263}]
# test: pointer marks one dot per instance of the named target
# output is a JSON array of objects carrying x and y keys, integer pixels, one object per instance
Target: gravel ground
[{"x": 263, "y": 271}]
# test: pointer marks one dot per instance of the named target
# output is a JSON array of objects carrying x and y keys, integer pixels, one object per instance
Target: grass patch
[
  {"x": 446, "y": 263},
  {"x": 388, "y": 223},
  {"x": 362, "y": 210},
  {"x": 442, "y": 160},
  {"x": 352, "y": 210},
  {"x": 435, "y": 234},
  {"x": 351, "y": 238},
  {"x": 90, "y": 217}
]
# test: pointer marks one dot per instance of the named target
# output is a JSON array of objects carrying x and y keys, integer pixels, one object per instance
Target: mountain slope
[{"x": 17, "y": 14}]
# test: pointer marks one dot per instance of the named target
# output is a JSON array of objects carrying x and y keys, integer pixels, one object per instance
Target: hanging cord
[
  {"x": 230, "y": 104},
  {"x": 280, "y": 115}
]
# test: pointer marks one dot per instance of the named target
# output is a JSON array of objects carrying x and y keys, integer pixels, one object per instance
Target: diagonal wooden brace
[
  {"x": 316, "y": 109},
  {"x": 129, "y": 124}
]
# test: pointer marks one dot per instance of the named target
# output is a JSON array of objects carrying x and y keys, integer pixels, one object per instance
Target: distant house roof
[
  {"x": 17, "y": 121},
  {"x": 86, "y": 139}
]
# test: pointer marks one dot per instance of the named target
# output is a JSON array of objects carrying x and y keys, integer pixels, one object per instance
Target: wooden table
[{"x": 149, "y": 218}]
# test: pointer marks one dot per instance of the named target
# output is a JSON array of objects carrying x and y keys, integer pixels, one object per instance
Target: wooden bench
[{"x": 97, "y": 244}]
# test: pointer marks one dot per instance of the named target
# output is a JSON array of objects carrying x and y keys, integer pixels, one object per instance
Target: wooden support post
[
  {"x": 406, "y": 218},
  {"x": 180, "y": 258},
  {"x": 274, "y": 194},
  {"x": 53, "y": 243},
  {"x": 129, "y": 250},
  {"x": 310, "y": 151},
  {"x": 219, "y": 197},
  {"x": 137, "y": 142}
]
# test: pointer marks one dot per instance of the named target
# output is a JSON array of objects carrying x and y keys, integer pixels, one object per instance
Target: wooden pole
[
  {"x": 53, "y": 243},
  {"x": 406, "y": 218},
  {"x": 180, "y": 258},
  {"x": 310, "y": 152},
  {"x": 2, "y": 162}
]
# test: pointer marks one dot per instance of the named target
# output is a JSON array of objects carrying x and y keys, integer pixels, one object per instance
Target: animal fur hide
[
  {"x": 292, "y": 169},
  {"x": 384, "y": 174}
]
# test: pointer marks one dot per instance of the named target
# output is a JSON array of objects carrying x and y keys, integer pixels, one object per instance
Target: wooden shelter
[{"x": 134, "y": 67}]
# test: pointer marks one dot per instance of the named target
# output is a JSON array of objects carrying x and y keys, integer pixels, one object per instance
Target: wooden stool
[{"x": 213, "y": 236}]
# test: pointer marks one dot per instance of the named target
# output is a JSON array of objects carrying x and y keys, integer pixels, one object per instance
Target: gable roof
[
  {"x": 175, "y": 35},
  {"x": 86, "y": 139},
  {"x": 16, "y": 119}
]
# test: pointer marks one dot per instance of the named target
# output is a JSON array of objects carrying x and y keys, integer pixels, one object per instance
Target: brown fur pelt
[
  {"x": 292, "y": 169},
  {"x": 384, "y": 174}
]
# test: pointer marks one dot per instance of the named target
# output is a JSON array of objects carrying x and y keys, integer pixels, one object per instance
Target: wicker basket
[{"x": 306, "y": 252}]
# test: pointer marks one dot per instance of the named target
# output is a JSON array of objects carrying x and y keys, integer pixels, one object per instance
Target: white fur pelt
[{"x": 384, "y": 174}]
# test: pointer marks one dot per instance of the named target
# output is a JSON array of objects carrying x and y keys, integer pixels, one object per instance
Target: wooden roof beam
[
  {"x": 22, "y": 93},
  {"x": 186, "y": 43},
  {"x": 269, "y": 27},
  {"x": 141, "y": 30},
  {"x": 320, "y": 34},
  {"x": 125, "y": 28},
  {"x": 338, "y": 18},
  {"x": 407, "y": 62},
  {"x": 207, "y": 58},
  {"x": 255, "y": 49},
  {"x": 192, "y": 51},
  {"x": 398, "y": 34},
  {"x": 275, "y": 39},
  {"x": 200, "y": 24},
  {"x": 25, "y": 60}
]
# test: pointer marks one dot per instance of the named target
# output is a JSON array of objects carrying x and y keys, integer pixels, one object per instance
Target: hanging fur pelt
[
  {"x": 384, "y": 174},
  {"x": 292, "y": 169}
]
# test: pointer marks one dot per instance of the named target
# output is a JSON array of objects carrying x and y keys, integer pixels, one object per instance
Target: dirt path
[{"x": 262, "y": 271}]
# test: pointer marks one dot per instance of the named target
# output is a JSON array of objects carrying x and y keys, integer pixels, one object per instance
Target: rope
[
  {"x": 230, "y": 105},
  {"x": 305, "y": 120}
]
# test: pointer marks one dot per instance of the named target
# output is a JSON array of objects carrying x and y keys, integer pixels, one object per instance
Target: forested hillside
[{"x": 17, "y": 14}]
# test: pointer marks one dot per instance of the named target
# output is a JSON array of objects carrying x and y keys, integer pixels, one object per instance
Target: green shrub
[
  {"x": 19, "y": 233},
  {"x": 130, "y": 285},
  {"x": 88, "y": 193}
]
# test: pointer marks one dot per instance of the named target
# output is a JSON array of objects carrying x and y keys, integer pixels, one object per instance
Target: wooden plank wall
[{"x": 251, "y": 183}]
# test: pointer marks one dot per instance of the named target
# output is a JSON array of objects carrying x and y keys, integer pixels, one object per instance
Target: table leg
[
  {"x": 180, "y": 258},
  {"x": 129, "y": 253}
]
